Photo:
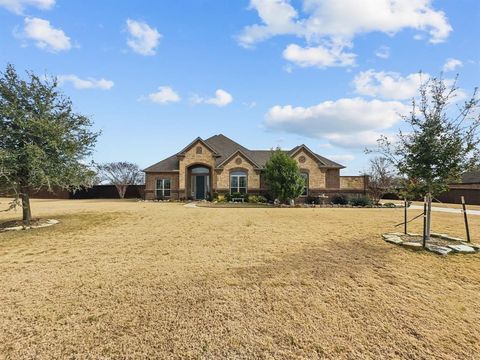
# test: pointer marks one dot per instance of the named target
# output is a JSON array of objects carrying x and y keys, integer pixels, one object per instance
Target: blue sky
[{"x": 153, "y": 75}]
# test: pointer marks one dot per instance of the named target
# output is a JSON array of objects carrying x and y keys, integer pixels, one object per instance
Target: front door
[{"x": 200, "y": 187}]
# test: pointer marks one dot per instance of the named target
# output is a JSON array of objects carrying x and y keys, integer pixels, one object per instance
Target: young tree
[
  {"x": 42, "y": 140},
  {"x": 121, "y": 174},
  {"x": 441, "y": 143},
  {"x": 283, "y": 176},
  {"x": 381, "y": 178}
]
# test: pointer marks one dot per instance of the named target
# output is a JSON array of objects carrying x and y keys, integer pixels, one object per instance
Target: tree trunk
[
  {"x": 27, "y": 213},
  {"x": 122, "y": 189},
  {"x": 429, "y": 216}
]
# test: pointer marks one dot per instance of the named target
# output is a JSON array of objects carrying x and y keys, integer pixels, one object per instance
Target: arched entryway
[{"x": 199, "y": 180}]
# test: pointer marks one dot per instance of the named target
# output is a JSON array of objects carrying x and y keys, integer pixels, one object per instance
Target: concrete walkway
[{"x": 447, "y": 210}]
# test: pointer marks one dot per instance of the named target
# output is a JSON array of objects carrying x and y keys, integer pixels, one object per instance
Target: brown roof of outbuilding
[{"x": 225, "y": 147}]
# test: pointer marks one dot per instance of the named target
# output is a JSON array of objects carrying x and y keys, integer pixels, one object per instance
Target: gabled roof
[
  {"x": 236, "y": 153},
  {"x": 198, "y": 139},
  {"x": 471, "y": 177},
  {"x": 225, "y": 148}
]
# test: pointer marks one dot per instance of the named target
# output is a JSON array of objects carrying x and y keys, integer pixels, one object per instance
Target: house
[
  {"x": 220, "y": 165},
  {"x": 469, "y": 188}
]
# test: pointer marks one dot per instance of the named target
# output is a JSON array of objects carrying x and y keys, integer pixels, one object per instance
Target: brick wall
[
  {"x": 353, "y": 182},
  {"x": 193, "y": 157},
  {"x": 240, "y": 163},
  {"x": 151, "y": 180}
]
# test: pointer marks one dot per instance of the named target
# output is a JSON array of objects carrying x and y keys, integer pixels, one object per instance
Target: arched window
[
  {"x": 305, "y": 179},
  {"x": 238, "y": 182},
  {"x": 200, "y": 170}
]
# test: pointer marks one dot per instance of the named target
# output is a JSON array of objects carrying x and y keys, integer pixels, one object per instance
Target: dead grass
[{"x": 154, "y": 280}]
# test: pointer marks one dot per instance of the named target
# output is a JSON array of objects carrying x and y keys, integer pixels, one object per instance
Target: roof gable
[
  {"x": 193, "y": 143},
  {"x": 238, "y": 152}
]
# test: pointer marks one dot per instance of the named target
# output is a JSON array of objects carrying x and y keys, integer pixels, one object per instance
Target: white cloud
[
  {"x": 319, "y": 56},
  {"x": 359, "y": 140},
  {"x": 452, "y": 64},
  {"x": 388, "y": 85},
  {"x": 340, "y": 21},
  {"x": 143, "y": 38},
  {"x": 88, "y": 83},
  {"x": 383, "y": 52},
  {"x": 341, "y": 158},
  {"x": 343, "y": 122},
  {"x": 18, "y": 6},
  {"x": 46, "y": 36},
  {"x": 164, "y": 95},
  {"x": 344, "y": 19},
  {"x": 221, "y": 98}
]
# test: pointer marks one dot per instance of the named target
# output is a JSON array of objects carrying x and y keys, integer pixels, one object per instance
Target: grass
[{"x": 156, "y": 280}]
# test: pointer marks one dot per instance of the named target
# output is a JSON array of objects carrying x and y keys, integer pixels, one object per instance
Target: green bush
[
  {"x": 256, "y": 199},
  {"x": 361, "y": 201},
  {"x": 389, "y": 205},
  {"x": 339, "y": 200},
  {"x": 313, "y": 200}
]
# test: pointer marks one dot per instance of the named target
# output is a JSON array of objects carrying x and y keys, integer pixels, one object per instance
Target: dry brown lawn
[{"x": 149, "y": 280}]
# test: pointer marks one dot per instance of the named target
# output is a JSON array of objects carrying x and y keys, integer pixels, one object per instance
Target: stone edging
[
  {"x": 48, "y": 223},
  {"x": 458, "y": 246}
]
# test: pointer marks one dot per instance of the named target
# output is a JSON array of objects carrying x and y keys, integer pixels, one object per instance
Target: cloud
[
  {"x": 164, "y": 95},
  {"x": 388, "y": 85},
  {"x": 343, "y": 122},
  {"x": 452, "y": 64},
  {"x": 45, "y": 36},
  {"x": 319, "y": 56},
  {"x": 143, "y": 38},
  {"x": 359, "y": 140},
  {"x": 221, "y": 98},
  {"x": 18, "y": 6},
  {"x": 383, "y": 52},
  {"x": 342, "y": 157},
  {"x": 344, "y": 19},
  {"x": 339, "y": 22},
  {"x": 88, "y": 83}
]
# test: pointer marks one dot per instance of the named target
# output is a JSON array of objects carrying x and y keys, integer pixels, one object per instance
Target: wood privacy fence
[{"x": 95, "y": 192}]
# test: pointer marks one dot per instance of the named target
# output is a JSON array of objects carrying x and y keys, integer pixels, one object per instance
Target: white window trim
[
  {"x": 238, "y": 182},
  {"x": 307, "y": 185},
  {"x": 162, "y": 189}
]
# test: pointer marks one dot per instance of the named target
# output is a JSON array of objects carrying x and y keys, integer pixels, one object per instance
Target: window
[
  {"x": 199, "y": 150},
  {"x": 163, "y": 188},
  {"x": 238, "y": 182},
  {"x": 305, "y": 180}
]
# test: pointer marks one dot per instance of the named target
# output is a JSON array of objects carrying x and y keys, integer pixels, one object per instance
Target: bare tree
[
  {"x": 121, "y": 174},
  {"x": 381, "y": 177}
]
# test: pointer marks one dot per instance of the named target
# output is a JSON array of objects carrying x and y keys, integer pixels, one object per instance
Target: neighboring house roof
[
  {"x": 471, "y": 177},
  {"x": 224, "y": 148}
]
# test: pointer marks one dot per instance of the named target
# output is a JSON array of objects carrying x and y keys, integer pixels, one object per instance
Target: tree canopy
[
  {"x": 283, "y": 176},
  {"x": 43, "y": 142}
]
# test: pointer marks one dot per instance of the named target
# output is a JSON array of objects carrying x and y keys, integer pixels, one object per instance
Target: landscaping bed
[{"x": 441, "y": 244}]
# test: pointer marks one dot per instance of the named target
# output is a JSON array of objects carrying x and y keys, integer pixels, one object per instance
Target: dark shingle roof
[
  {"x": 471, "y": 177},
  {"x": 225, "y": 148}
]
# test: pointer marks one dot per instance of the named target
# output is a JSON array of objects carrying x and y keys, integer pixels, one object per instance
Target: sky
[{"x": 331, "y": 74}]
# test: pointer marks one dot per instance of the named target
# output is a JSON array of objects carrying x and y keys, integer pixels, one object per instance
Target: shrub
[
  {"x": 389, "y": 205},
  {"x": 256, "y": 199},
  {"x": 228, "y": 197},
  {"x": 339, "y": 200},
  {"x": 361, "y": 201},
  {"x": 313, "y": 200}
]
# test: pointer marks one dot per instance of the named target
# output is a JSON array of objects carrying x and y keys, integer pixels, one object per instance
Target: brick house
[{"x": 220, "y": 165}]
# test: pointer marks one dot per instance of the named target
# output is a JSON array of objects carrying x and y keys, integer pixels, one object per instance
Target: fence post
[
  {"x": 465, "y": 217},
  {"x": 405, "y": 213},
  {"x": 424, "y": 221}
]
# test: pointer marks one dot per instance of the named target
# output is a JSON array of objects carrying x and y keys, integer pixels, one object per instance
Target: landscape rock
[
  {"x": 393, "y": 239},
  {"x": 465, "y": 249},
  {"x": 413, "y": 245},
  {"x": 441, "y": 250}
]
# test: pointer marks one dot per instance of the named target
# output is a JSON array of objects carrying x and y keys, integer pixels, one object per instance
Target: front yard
[{"x": 125, "y": 279}]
